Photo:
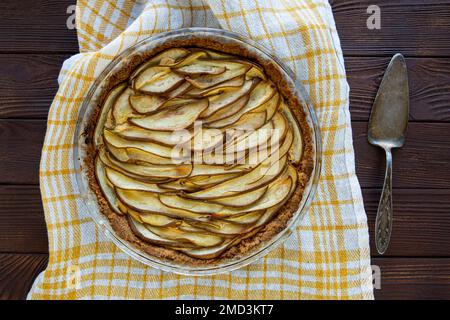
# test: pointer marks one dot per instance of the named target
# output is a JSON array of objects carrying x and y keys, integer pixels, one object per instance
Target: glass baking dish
[{"x": 92, "y": 99}]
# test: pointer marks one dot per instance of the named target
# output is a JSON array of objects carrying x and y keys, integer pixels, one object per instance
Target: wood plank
[
  {"x": 412, "y": 27},
  {"x": 17, "y": 273},
  {"x": 28, "y": 84},
  {"x": 401, "y": 278},
  {"x": 413, "y": 278},
  {"x": 20, "y": 149},
  {"x": 421, "y": 221},
  {"x": 22, "y": 223},
  {"x": 36, "y": 26},
  {"x": 43, "y": 28},
  {"x": 421, "y": 163},
  {"x": 429, "y": 84}
]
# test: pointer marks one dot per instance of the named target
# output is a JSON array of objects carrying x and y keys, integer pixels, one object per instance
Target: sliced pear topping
[
  {"x": 149, "y": 76},
  {"x": 158, "y": 220},
  {"x": 197, "y": 206},
  {"x": 154, "y": 148},
  {"x": 145, "y": 234},
  {"x": 206, "y": 139},
  {"x": 178, "y": 91},
  {"x": 229, "y": 111},
  {"x": 122, "y": 181},
  {"x": 219, "y": 101},
  {"x": 184, "y": 62},
  {"x": 173, "y": 54},
  {"x": 179, "y": 185},
  {"x": 162, "y": 84},
  {"x": 219, "y": 55},
  {"x": 198, "y": 239},
  {"x": 247, "y": 218},
  {"x": 270, "y": 106},
  {"x": 107, "y": 191},
  {"x": 145, "y": 103},
  {"x": 201, "y": 67},
  {"x": 297, "y": 147},
  {"x": 122, "y": 109},
  {"x": 149, "y": 202},
  {"x": 224, "y": 86},
  {"x": 209, "y": 180},
  {"x": 105, "y": 117},
  {"x": 173, "y": 118},
  {"x": 205, "y": 81},
  {"x": 255, "y": 72},
  {"x": 254, "y": 139},
  {"x": 131, "y": 132},
  {"x": 242, "y": 200},
  {"x": 249, "y": 121}
]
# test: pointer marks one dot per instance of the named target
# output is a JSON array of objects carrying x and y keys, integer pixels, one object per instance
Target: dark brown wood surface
[{"x": 34, "y": 42}]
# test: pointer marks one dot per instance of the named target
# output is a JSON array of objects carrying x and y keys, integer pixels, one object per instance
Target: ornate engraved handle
[{"x": 383, "y": 222}]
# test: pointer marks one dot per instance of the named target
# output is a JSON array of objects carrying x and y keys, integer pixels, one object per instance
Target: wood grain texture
[
  {"x": 17, "y": 273},
  {"x": 413, "y": 278},
  {"x": 29, "y": 84},
  {"x": 401, "y": 278},
  {"x": 412, "y": 27},
  {"x": 20, "y": 150},
  {"x": 43, "y": 27},
  {"x": 36, "y": 26},
  {"x": 22, "y": 223},
  {"x": 429, "y": 84},
  {"x": 421, "y": 163}
]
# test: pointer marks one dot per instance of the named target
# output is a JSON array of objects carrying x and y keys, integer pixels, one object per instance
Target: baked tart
[{"x": 198, "y": 152}]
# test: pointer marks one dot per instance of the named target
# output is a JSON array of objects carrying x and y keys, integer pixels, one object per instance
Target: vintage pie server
[{"x": 387, "y": 129}]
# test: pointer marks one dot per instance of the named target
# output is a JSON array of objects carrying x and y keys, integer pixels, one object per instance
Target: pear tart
[{"x": 199, "y": 156}]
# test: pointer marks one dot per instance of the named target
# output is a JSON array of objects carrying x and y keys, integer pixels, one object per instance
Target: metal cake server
[{"x": 387, "y": 129}]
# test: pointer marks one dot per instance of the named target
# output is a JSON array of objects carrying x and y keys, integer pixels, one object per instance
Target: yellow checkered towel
[{"x": 327, "y": 257}]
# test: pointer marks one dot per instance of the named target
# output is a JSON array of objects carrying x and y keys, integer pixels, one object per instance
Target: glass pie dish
[{"x": 95, "y": 96}]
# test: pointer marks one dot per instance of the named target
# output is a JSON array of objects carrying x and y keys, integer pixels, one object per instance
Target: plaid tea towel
[{"x": 328, "y": 255}]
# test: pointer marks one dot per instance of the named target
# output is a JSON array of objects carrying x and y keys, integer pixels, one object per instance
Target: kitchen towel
[{"x": 327, "y": 257}]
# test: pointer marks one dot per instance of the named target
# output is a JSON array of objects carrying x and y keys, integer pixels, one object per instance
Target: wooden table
[{"x": 34, "y": 41}]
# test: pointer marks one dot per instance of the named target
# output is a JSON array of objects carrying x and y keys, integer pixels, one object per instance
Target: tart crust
[{"x": 304, "y": 168}]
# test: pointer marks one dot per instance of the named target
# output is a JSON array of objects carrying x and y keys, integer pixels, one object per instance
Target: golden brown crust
[{"x": 271, "y": 229}]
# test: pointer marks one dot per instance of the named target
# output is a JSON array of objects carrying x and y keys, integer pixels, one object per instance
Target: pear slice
[
  {"x": 222, "y": 227},
  {"x": 161, "y": 85},
  {"x": 149, "y": 76},
  {"x": 173, "y": 54},
  {"x": 205, "y": 81},
  {"x": 145, "y": 234},
  {"x": 178, "y": 185},
  {"x": 255, "y": 72},
  {"x": 171, "y": 138},
  {"x": 260, "y": 176},
  {"x": 148, "y": 202},
  {"x": 214, "y": 252},
  {"x": 122, "y": 109},
  {"x": 297, "y": 147},
  {"x": 227, "y": 85},
  {"x": 198, "y": 239},
  {"x": 146, "y": 103},
  {"x": 260, "y": 94},
  {"x": 210, "y": 169},
  {"x": 201, "y": 67},
  {"x": 220, "y": 101},
  {"x": 122, "y": 181},
  {"x": 242, "y": 200},
  {"x": 107, "y": 191},
  {"x": 178, "y": 91},
  {"x": 247, "y": 218},
  {"x": 270, "y": 106},
  {"x": 157, "y": 220},
  {"x": 277, "y": 192},
  {"x": 197, "y": 206},
  {"x": 249, "y": 121},
  {"x": 189, "y": 59},
  {"x": 229, "y": 111},
  {"x": 206, "y": 139},
  {"x": 253, "y": 140},
  {"x": 106, "y": 113},
  {"x": 173, "y": 118},
  {"x": 150, "y": 147},
  {"x": 218, "y": 55},
  {"x": 154, "y": 171},
  {"x": 207, "y": 181}
]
